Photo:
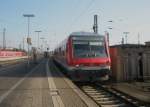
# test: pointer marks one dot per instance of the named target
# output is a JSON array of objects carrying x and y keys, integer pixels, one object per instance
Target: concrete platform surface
[
  {"x": 24, "y": 87},
  {"x": 40, "y": 85},
  {"x": 143, "y": 86},
  {"x": 70, "y": 95},
  {"x": 133, "y": 90}
]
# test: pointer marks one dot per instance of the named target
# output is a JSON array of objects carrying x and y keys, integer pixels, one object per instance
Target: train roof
[
  {"x": 85, "y": 34},
  {"x": 80, "y": 33}
]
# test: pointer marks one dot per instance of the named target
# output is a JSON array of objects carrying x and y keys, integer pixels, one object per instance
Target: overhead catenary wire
[{"x": 81, "y": 14}]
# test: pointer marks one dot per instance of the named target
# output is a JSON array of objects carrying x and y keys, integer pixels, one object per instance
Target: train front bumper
[{"x": 88, "y": 73}]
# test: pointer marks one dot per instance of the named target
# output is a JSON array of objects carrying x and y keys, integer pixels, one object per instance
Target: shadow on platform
[{"x": 39, "y": 71}]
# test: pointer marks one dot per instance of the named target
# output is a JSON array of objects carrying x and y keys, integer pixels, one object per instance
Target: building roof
[
  {"x": 147, "y": 43},
  {"x": 129, "y": 45}
]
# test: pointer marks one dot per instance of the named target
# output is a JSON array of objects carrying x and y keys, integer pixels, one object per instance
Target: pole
[
  {"x": 95, "y": 26},
  {"x": 126, "y": 36},
  {"x": 122, "y": 41},
  {"x": 28, "y": 26},
  {"x": 28, "y": 16},
  {"x": 20, "y": 46},
  {"x": 38, "y": 32},
  {"x": 42, "y": 43},
  {"x": 107, "y": 36},
  {"x": 4, "y": 39},
  {"x": 28, "y": 37},
  {"x": 38, "y": 40},
  {"x": 138, "y": 38},
  {"x": 23, "y": 44}
]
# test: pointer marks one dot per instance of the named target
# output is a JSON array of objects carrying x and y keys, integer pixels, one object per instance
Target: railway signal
[{"x": 29, "y": 41}]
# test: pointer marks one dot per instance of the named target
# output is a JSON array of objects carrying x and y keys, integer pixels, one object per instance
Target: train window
[
  {"x": 99, "y": 51},
  {"x": 96, "y": 43},
  {"x": 80, "y": 42},
  {"x": 91, "y": 38},
  {"x": 81, "y": 50},
  {"x": 89, "y": 49}
]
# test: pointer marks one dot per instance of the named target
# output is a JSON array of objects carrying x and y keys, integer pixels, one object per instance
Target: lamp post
[
  {"x": 23, "y": 43},
  {"x": 109, "y": 28},
  {"x": 42, "y": 42},
  {"x": 28, "y": 38},
  {"x": 38, "y": 31},
  {"x": 4, "y": 39}
]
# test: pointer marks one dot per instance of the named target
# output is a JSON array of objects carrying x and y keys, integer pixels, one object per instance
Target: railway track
[{"x": 107, "y": 97}]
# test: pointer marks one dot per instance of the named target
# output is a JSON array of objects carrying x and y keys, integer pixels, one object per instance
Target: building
[
  {"x": 147, "y": 43},
  {"x": 130, "y": 62}
]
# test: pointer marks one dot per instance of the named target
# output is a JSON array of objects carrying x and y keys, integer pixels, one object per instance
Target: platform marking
[
  {"x": 57, "y": 101},
  {"x": 16, "y": 85}
]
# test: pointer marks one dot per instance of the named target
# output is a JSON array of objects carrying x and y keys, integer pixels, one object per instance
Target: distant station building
[
  {"x": 130, "y": 62},
  {"x": 147, "y": 43}
]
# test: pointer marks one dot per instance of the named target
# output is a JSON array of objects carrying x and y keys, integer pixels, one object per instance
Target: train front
[{"x": 91, "y": 58}]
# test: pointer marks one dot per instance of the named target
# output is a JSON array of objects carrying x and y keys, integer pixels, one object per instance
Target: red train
[{"x": 85, "y": 56}]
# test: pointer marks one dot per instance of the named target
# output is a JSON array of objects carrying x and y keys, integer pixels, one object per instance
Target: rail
[{"x": 105, "y": 96}]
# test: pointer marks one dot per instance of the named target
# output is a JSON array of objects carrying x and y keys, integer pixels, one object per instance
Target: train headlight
[
  {"x": 106, "y": 67},
  {"x": 109, "y": 67},
  {"x": 77, "y": 65}
]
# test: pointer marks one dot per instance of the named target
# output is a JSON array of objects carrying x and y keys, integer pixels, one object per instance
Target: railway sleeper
[
  {"x": 102, "y": 96},
  {"x": 115, "y": 105},
  {"x": 91, "y": 91},
  {"x": 88, "y": 87},
  {"x": 88, "y": 90},
  {"x": 124, "y": 97},
  {"x": 109, "y": 102},
  {"x": 94, "y": 90},
  {"x": 105, "y": 99}
]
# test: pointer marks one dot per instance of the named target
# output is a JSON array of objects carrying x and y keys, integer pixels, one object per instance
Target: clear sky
[{"x": 58, "y": 18}]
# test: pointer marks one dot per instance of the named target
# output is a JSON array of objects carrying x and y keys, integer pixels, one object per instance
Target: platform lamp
[
  {"x": 38, "y": 31},
  {"x": 28, "y": 38},
  {"x": 42, "y": 38}
]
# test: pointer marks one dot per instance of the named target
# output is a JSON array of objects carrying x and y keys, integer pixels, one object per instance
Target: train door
[{"x": 140, "y": 64}]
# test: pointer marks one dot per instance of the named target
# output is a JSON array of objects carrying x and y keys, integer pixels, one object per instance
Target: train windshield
[{"x": 93, "y": 47}]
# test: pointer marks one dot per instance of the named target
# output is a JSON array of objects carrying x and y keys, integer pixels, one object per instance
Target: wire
[{"x": 81, "y": 14}]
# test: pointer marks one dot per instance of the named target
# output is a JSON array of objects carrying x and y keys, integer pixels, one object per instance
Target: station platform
[
  {"x": 39, "y": 85},
  {"x": 11, "y": 58},
  {"x": 63, "y": 92},
  {"x": 133, "y": 90}
]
